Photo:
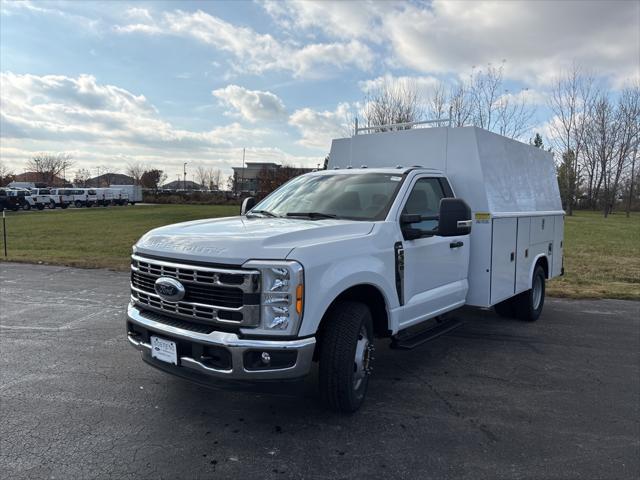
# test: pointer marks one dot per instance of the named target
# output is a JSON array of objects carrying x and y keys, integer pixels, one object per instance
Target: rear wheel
[
  {"x": 64, "y": 205},
  {"x": 40, "y": 206},
  {"x": 26, "y": 206},
  {"x": 528, "y": 305},
  {"x": 346, "y": 346},
  {"x": 52, "y": 205}
]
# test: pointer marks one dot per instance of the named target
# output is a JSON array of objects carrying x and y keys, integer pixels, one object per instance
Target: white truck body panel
[
  {"x": 133, "y": 192},
  {"x": 498, "y": 177}
]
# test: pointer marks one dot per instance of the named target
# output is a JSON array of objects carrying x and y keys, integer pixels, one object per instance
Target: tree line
[{"x": 594, "y": 132}]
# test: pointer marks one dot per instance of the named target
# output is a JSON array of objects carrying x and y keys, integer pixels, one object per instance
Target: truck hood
[{"x": 234, "y": 240}]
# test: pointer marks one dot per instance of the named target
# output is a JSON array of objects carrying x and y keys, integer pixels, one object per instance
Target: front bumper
[{"x": 234, "y": 355}]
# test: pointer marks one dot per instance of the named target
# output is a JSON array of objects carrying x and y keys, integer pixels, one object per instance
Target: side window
[{"x": 425, "y": 200}]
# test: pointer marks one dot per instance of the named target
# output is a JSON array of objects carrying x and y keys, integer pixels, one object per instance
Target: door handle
[{"x": 457, "y": 244}]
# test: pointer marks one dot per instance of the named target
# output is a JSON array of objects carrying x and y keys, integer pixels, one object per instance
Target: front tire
[
  {"x": 26, "y": 206},
  {"x": 40, "y": 206},
  {"x": 528, "y": 305},
  {"x": 346, "y": 346}
]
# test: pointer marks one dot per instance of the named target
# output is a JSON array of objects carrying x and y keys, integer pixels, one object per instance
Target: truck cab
[{"x": 324, "y": 265}]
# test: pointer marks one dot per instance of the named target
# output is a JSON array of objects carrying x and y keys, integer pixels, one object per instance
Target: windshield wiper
[
  {"x": 311, "y": 215},
  {"x": 266, "y": 213}
]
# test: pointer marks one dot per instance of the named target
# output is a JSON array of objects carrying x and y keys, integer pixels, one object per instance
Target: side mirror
[
  {"x": 247, "y": 204},
  {"x": 409, "y": 233},
  {"x": 455, "y": 218}
]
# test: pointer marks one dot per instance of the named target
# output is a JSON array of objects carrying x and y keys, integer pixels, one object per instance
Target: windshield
[{"x": 351, "y": 196}]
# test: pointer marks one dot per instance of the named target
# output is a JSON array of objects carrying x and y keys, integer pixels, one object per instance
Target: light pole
[
  {"x": 184, "y": 171},
  {"x": 242, "y": 178}
]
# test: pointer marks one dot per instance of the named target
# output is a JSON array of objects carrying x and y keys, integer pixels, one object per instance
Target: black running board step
[{"x": 424, "y": 336}]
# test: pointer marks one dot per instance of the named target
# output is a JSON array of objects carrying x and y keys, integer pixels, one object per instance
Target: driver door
[{"x": 435, "y": 268}]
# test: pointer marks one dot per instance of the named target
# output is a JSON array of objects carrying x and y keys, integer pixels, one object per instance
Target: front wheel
[
  {"x": 64, "y": 206},
  {"x": 41, "y": 206},
  {"x": 346, "y": 346},
  {"x": 528, "y": 305},
  {"x": 52, "y": 206},
  {"x": 26, "y": 206}
]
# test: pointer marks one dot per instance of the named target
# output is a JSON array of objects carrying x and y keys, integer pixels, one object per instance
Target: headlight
[{"x": 282, "y": 296}]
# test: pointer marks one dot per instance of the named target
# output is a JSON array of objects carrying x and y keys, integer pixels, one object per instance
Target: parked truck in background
[
  {"x": 129, "y": 193},
  {"x": 403, "y": 229}
]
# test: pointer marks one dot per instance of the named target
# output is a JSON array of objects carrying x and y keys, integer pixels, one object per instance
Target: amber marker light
[{"x": 299, "y": 292}]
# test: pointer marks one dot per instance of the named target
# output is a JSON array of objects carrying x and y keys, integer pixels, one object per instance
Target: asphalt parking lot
[{"x": 557, "y": 399}]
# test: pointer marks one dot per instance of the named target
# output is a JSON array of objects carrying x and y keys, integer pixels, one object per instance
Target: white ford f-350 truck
[{"x": 401, "y": 229}]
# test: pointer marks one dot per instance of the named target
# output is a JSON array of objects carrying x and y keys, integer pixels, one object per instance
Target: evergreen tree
[{"x": 537, "y": 141}]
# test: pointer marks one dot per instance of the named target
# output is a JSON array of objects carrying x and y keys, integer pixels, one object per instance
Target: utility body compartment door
[
  {"x": 524, "y": 256},
  {"x": 503, "y": 258}
]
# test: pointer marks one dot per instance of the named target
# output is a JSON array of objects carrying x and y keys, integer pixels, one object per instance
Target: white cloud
[
  {"x": 318, "y": 128},
  {"x": 254, "y": 52},
  {"x": 538, "y": 39},
  {"x": 104, "y": 123},
  {"x": 252, "y": 105},
  {"x": 338, "y": 19}
]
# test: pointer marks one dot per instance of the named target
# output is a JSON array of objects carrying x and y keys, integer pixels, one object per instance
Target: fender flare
[{"x": 533, "y": 267}]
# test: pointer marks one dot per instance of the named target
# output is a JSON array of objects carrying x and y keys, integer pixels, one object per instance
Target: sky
[{"x": 163, "y": 83}]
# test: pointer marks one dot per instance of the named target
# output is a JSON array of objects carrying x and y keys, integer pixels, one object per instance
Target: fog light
[{"x": 266, "y": 358}]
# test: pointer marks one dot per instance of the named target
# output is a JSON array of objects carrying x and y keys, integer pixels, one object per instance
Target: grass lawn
[
  {"x": 94, "y": 237},
  {"x": 602, "y": 256}
]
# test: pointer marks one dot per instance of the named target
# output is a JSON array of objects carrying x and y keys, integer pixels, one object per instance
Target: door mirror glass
[
  {"x": 455, "y": 218},
  {"x": 247, "y": 204}
]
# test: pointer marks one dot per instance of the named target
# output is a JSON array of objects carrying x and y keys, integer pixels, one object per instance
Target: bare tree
[
  {"x": 482, "y": 100},
  {"x": 135, "y": 171},
  {"x": 49, "y": 166},
  {"x": 611, "y": 137},
  {"x": 569, "y": 101},
  {"x": 202, "y": 174},
  {"x": 438, "y": 103},
  {"x": 392, "y": 103},
  {"x": 214, "y": 178},
  {"x": 6, "y": 175},
  {"x": 82, "y": 177}
]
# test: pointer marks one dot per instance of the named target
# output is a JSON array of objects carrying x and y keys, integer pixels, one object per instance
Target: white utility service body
[
  {"x": 403, "y": 228},
  {"x": 129, "y": 193},
  {"x": 511, "y": 188}
]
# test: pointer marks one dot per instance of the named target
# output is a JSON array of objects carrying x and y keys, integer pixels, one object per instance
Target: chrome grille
[{"x": 213, "y": 295}]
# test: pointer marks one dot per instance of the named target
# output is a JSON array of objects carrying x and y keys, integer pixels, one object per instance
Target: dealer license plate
[{"x": 164, "y": 350}]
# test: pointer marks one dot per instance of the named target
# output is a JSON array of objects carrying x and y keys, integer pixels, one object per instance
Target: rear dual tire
[
  {"x": 528, "y": 305},
  {"x": 346, "y": 346}
]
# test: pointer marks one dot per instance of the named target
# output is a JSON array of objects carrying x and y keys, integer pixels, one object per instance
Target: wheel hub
[
  {"x": 537, "y": 292},
  {"x": 363, "y": 358}
]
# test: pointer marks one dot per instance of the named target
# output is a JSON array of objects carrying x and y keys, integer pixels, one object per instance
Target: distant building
[
  {"x": 263, "y": 177},
  {"x": 107, "y": 179},
  {"x": 43, "y": 179},
  {"x": 181, "y": 185}
]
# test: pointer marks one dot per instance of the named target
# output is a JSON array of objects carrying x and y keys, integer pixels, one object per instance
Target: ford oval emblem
[{"x": 169, "y": 289}]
